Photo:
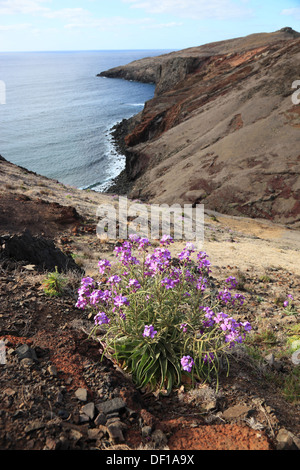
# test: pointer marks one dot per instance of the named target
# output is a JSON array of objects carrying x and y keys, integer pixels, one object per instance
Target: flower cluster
[
  {"x": 158, "y": 319},
  {"x": 234, "y": 332},
  {"x": 226, "y": 296}
]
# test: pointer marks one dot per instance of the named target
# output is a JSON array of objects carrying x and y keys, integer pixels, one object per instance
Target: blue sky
[{"x": 51, "y": 25}]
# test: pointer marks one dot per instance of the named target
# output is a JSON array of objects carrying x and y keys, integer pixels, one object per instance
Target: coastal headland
[{"x": 221, "y": 130}]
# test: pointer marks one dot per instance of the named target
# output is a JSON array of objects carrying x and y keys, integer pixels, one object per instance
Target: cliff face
[{"x": 222, "y": 128}]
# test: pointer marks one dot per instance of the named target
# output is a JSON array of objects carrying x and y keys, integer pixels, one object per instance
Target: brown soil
[{"x": 18, "y": 211}]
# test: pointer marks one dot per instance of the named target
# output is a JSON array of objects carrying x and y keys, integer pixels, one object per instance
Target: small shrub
[
  {"x": 161, "y": 322},
  {"x": 288, "y": 305},
  {"x": 264, "y": 339},
  {"x": 291, "y": 389},
  {"x": 265, "y": 278},
  {"x": 54, "y": 284}
]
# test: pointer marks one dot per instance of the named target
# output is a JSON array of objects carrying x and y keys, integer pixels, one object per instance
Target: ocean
[{"x": 57, "y": 115}]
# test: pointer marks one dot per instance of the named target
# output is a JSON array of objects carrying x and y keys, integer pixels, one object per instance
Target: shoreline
[{"x": 121, "y": 184}]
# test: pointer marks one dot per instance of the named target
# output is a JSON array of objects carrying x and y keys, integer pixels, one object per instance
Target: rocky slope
[
  {"x": 221, "y": 129},
  {"x": 57, "y": 394}
]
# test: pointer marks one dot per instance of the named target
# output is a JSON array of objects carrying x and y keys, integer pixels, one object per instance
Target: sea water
[{"x": 58, "y": 114}]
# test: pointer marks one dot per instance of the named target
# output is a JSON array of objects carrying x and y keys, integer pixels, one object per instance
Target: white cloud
[
  {"x": 68, "y": 14},
  {"x": 172, "y": 24},
  {"x": 197, "y": 9},
  {"x": 12, "y": 7},
  {"x": 73, "y": 18},
  {"x": 295, "y": 12},
  {"x": 108, "y": 23},
  {"x": 15, "y": 27},
  {"x": 38, "y": 7}
]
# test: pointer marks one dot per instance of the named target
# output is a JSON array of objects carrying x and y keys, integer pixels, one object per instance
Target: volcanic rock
[{"x": 37, "y": 250}]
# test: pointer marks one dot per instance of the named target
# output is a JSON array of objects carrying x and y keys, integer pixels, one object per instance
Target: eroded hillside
[{"x": 222, "y": 128}]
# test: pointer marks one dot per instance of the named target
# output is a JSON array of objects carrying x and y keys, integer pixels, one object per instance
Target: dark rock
[
  {"x": 100, "y": 419},
  {"x": 26, "y": 352},
  {"x": 115, "y": 433},
  {"x": 36, "y": 425},
  {"x": 36, "y": 250},
  {"x": 63, "y": 414},
  {"x": 110, "y": 406}
]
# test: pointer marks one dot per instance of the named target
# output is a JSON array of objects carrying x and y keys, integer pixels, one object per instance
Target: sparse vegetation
[{"x": 54, "y": 284}]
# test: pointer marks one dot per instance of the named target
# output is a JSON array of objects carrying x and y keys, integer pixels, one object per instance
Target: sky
[{"x": 63, "y": 25}]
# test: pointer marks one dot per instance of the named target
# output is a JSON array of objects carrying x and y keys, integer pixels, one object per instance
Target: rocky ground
[{"x": 57, "y": 393}]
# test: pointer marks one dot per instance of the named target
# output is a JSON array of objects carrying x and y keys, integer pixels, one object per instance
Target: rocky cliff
[{"x": 222, "y": 128}]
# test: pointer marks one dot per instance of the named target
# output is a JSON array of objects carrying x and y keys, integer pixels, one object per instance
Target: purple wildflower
[
  {"x": 183, "y": 326},
  {"x": 120, "y": 300},
  {"x": 142, "y": 243},
  {"x": 134, "y": 238},
  {"x": 239, "y": 297},
  {"x": 208, "y": 358},
  {"x": 87, "y": 281},
  {"x": 286, "y": 303},
  {"x": 203, "y": 262},
  {"x": 220, "y": 317},
  {"x": 184, "y": 255},
  {"x": 190, "y": 247},
  {"x": 209, "y": 315},
  {"x": 134, "y": 283},
  {"x": 95, "y": 297},
  {"x": 114, "y": 279},
  {"x": 224, "y": 295},
  {"x": 149, "y": 331},
  {"x": 106, "y": 295},
  {"x": 101, "y": 319},
  {"x": 124, "y": 254},
  {"x": 168, "y": 283},
  {"x": 232, "y": 281},
  {"x": 103, "y": 264},
  {"x": 166, "y": 240},
  {"x": 81, "y": 303},
  {"x": 247, "y": 326},
  {"x": 201, "y": 283},
  {"x": 157, "y": 261},
  {"x": 187, "y": 363}
]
